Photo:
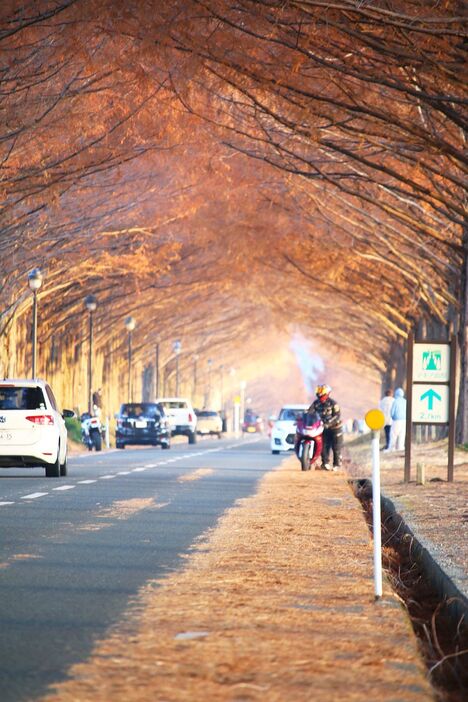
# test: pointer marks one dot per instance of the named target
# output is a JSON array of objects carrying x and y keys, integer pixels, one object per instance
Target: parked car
[
  {"x": 284, "y": 430},
  {"x": 32, "y": 428},
  {"x": 181, "y": 416},
  {"x": 142, "y": 423},
  {"x": 209, "y": 422}
]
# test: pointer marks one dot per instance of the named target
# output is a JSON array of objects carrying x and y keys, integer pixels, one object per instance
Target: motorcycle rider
[{"x": 330, "y": 414}]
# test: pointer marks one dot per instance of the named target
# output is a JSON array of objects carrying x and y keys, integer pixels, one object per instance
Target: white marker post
[{"x": 375, "y": 420}]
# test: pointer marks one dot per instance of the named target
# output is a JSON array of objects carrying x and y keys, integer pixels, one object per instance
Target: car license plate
[
  {"x": 251, "y": 429},
  {"x": 5, "y": 436},
  {"x": 140, "y": 424}
]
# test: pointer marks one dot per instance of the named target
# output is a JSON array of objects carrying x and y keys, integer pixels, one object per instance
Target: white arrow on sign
[{"x": 430, "y": 403}]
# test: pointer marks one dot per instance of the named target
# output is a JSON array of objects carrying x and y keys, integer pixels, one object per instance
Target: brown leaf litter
[{"x": 276, "y": 604}]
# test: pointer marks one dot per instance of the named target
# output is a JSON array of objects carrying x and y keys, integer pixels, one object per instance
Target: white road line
[
  {"x": 108, "y": 477},
  {"x": 151, "y": 465},
  {"x": 65, "y": 487},
  {"x": 138, "y": 470},
  {"x": 86, "y": 482},
  {"x": 2, "y": 504},
  {"x": 124, "y": 472},
  {"x": 34, "y": 495}
]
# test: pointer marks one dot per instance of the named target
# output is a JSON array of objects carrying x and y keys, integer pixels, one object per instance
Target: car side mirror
[{"x": 68, "y": 414}]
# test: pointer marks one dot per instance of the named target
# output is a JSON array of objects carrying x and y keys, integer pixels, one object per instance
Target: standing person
[
  {"x": 330, "y": 414},
  {"x": 386, "y": 405},
  {"x": 398, "y": 415}
]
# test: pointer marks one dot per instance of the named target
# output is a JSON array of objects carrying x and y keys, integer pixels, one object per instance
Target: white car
[
  {"x": 181, "y": 416},
  {"x": 284, "y": 428},
  {"x": 32, "y": 428},
  {"x": 209, "y": 422}
]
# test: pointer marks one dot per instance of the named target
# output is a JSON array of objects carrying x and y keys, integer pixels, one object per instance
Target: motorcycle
[
  {"x": 309, "y": 441},
  {"x": 91, "y": 431}
]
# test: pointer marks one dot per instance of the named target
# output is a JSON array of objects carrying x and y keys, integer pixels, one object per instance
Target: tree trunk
[{"x": 462, "y": 412}]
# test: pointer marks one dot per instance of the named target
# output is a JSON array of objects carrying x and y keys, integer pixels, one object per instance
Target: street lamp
[
  {"x": 34, "y": 282},
  {"x": 221, "y": 371},
  {"x": 243, "y": 385},
  {"x": 177, "y": 346},
  {"x": 195, "y": 359},
  {"x": 156, "y": 371},
  {"x": 130, "y": 324},
  {"x": 90, "y": 304},
  {"x": 210, "y": 363}
]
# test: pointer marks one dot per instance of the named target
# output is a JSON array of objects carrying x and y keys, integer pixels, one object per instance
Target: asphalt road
[{"x": 75, "y": 551}]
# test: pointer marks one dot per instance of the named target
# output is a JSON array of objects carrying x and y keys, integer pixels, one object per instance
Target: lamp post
[
  {"x": 177, "y": 346},
  {"x": 209, "y": 363},
  {"x": 243, "y": 385},
  {"x": 90, "y": 304},
  {"x": 195, "y": 359},
  {"x": 130, "y": 324},
  {"x": 221, "y": 371},
  {"x": 34, "y": 282},
  {"x": 156, "y": 371}
]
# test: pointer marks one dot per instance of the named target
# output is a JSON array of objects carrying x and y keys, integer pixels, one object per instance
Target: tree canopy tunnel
[{"x": 215, "y": 167}]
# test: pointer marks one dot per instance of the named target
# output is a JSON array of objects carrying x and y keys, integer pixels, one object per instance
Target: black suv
[{"x": 142, "y": 423}]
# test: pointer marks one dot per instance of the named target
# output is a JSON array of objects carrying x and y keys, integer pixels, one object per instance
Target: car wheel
[
  {"x": 220, "y": 435},
  {"x": 120, "y": 445},
  {"x": 166, "y": 446},
  {"x": 53, "y": 471},
  {"x": 64, "y": 468},
  {"x": 192, "y": 437},
  {"x": 274, "y": 452}
]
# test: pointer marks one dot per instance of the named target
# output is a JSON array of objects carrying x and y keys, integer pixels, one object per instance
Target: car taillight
[
  {"x": 45, "y": 419},
  {"x": 190, "y": 417}
]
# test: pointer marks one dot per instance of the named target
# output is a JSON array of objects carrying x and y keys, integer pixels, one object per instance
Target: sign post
[
  {"x": 375, "y": 420},
  {"x": 431, "y": 392}
]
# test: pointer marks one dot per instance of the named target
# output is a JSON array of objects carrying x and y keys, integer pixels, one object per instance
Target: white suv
[
  {"x": 32, "y": 429},
  {"x": 181, "y": 416}
]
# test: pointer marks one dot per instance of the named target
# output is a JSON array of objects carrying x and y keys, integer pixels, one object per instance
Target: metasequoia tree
[
  {"x": 300, "y": 162},
  {"x": 365, "y": 106}
]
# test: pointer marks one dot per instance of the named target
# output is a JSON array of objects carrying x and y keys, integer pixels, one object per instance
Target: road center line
[
  {"x": 86, "y": 482},
  {"x": 2, "y": 504},
  {"x": 138, "y": 470},
  {"x": 108, "y": 477},
  {"x": 124, "y": 472},
  {"x": 65, "y": 487},
  {"x": 34, "y": 495}
]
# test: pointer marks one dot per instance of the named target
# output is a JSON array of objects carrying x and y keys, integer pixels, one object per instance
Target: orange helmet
[{"x": 322, "y": 390}]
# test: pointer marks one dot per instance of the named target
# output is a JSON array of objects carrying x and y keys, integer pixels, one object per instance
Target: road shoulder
[{"x": 274, "y": 603}]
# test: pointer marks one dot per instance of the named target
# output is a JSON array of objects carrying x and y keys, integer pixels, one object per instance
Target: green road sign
[
  {"x": 430, "y": 403},
  {"x": 431, "y": 363}
]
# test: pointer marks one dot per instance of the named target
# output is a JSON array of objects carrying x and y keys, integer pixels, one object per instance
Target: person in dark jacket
[{"x": 330, "y": 414}]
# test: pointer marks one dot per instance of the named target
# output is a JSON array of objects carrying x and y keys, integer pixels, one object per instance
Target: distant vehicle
[
  {"x": 209, "y": 422},
  {"x": 32, "y": 428},
  {"x": 142, "y": 423},
  {"x": 91, "y": 431},
  {"x": 252, "y": 423},
  {"x": 284, "y": 430},
  {"x": 181, "y": 416}
]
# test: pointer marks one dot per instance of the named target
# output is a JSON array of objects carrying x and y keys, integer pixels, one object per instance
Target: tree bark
[{"x": 462, "y": 411}]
